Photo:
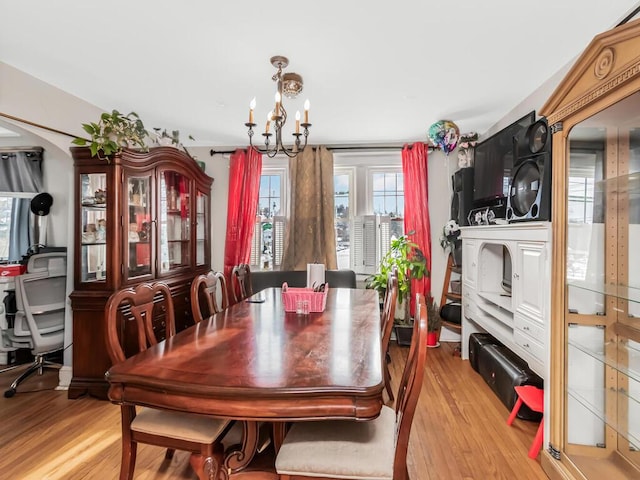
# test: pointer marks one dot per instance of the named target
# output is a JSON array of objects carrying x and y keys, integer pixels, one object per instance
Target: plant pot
[
  {"x": 403, "y": 335},
  {"x": 432, "y": 339}
]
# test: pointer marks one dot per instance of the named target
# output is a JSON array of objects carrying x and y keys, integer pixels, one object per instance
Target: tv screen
[{"x": 494, "y": 159}]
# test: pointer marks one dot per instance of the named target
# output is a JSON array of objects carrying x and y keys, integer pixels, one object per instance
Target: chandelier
[{"x": 290, "y": 85}]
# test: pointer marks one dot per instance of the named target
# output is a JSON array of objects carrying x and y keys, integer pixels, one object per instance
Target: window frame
[
  {"x": 371, "y": 171},
  {"x": 273, "y": 167}
]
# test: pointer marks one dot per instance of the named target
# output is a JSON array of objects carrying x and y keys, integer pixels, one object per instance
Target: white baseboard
[
  {"x": 65, "y": 374},
  {"x": 447, "y": 335}
]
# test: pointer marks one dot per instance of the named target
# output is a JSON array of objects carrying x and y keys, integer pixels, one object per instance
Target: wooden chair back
[
  {"x": 410, "y": 386},
  {"x": 211, "y": 287},
  {"x": 241, "y": 282},
  {"x": 136, "y": 305},
  {"x": 386, "y": 323}
]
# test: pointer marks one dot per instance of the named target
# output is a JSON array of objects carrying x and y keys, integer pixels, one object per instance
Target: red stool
[{"x": 533, "y": 397}]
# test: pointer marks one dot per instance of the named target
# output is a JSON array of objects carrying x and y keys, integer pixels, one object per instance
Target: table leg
[{"x": 236, "y": 460}]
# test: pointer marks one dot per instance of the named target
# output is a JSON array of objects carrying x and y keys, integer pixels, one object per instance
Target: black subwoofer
[
  {"x": 530, "y": 186},
  {"x": 462, "y": 199},
  {"x": 502, "y": 370}
]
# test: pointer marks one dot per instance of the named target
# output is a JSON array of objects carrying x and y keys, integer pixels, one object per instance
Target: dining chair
[
  {"x": 129, "y": 314},
  {"x": 212, "y": 287},
  {"x": 241, "y": 282},
  {"x": 377, "y": 449},
  {"x": 388, "y": 314}
]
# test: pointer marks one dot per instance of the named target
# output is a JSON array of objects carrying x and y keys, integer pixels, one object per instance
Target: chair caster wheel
[{"x": 10, "y": 393}]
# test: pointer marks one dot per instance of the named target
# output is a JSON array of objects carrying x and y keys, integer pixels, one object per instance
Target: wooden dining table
[{"x": 255, "y": 362}]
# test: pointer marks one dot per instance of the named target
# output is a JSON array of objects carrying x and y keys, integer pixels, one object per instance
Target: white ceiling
[{"x": 375, "y": 71}]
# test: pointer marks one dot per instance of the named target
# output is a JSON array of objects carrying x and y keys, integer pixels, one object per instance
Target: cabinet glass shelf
[
  {"x": 630, "y": 366},
  {"x": 623, "y": 401},
  {"x": 623, "y": 184},
  {"x": 623, "y": 292}
]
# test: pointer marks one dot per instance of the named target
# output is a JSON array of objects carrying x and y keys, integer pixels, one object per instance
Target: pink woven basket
[{"x": 291, "y": 295}]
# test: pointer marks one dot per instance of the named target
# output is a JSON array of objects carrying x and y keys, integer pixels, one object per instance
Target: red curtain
[
  {"x": 416, "y": 209},
  {"x": 244, "y": 184}
]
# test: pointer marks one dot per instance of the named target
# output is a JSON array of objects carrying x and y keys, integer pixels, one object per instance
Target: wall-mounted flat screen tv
[{"x": 494, "y": 160}]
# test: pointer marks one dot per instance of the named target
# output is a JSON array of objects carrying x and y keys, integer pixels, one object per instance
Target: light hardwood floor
[{"x": 459, "y": 432}]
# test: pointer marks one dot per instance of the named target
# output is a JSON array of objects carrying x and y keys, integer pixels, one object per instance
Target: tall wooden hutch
[
  {"x": 593, "y": 413},
  {"x": 139, "y": 217}
]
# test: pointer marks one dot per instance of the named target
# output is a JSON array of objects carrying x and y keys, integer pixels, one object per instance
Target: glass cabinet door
[
  {"x": 174, "y": 221},
  {"x": 602, "y": 391},
  {"x": 138, "y": 229},
  {"x": 93, "y": 218},
  {"x": 202, "y": 228}
]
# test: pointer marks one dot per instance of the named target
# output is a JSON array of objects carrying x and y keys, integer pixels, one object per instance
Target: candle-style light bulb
[
  {"x": 252, "y": 106},
  {"x": 266, "y": 128},
  {"x": 306, "y": 111},
  {"x": 297, "y": 121},
  {"x": 278, "y": 100}
]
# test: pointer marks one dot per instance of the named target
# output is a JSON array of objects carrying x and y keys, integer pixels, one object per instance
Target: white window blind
[
  {"x": 370, "y": 239},
  {"x": 256, "y": 246},
  {"x": 279, "y": 225}
]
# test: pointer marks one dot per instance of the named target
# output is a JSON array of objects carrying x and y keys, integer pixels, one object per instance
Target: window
[
  {"x": 382, "y": 218},
  {"x": 14, "y": 207},
  {"x": 6, "y": 204},
  {"x": 388, "y": 198},
  {"x": 388, "y": 194},
  {"x": 268, "y": 238},
  {"x": 342, "y": 180},
  {"x": 580, "y": 204}
]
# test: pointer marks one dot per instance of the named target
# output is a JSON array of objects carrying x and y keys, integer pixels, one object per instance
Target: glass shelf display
[
  {"x": 93, "y": 233},
  {"x": 175, "y": 222},
  {"x": 135, "y": 223},
  {"x": 602, "y": 389},
  {"x": 138, "y": 222},
  {"x": 202, "y": 227}
]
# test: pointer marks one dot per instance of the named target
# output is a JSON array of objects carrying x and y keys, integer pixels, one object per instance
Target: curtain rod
[
  {"x": 33, "y": 124},
  {"x": 213, "y": 152},
  {"x": 21, "y": 149}
]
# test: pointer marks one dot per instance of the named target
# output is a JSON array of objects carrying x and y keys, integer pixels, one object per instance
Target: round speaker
[
  {"x": 538, "y": 136},
  {"x": 524, "y": 188},
  {"x": 41, "y": 204}
]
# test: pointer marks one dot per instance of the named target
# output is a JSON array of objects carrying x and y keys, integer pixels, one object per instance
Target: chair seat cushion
[
  {"x": 341, "y": 448},
  {"x": 180, "y": 425}
]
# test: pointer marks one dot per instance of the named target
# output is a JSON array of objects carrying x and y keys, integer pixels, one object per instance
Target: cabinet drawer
[
  {"x": 528, "y": 344},
  {"x": 469, "y": 299},
  {"x": 530, "y": 328}
]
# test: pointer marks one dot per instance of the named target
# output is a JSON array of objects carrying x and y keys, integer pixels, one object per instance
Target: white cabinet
[
  {"x": 469, "y": 272},
  {"x": 506, "y": 288},
  {"x": 529, "y": 272}
]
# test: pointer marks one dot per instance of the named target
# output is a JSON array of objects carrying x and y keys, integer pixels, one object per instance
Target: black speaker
[
  {"x": 462, "y": 199},
  {"x": 530, "y": 185}
]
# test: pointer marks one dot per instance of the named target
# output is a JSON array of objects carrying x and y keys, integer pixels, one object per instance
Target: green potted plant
[
  {"x": 410, "y": 263},
  {"x": 113, "y": 132}
]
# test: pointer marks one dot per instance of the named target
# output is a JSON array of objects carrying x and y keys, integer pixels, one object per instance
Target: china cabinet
[
  {"x": 593, "y": 415},
  {"x": 139, "y": 217}
]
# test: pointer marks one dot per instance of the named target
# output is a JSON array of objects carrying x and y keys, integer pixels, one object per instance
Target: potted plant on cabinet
[
  {"x": 410, "y": 262},
  {"x": 113, "y": 132}
]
